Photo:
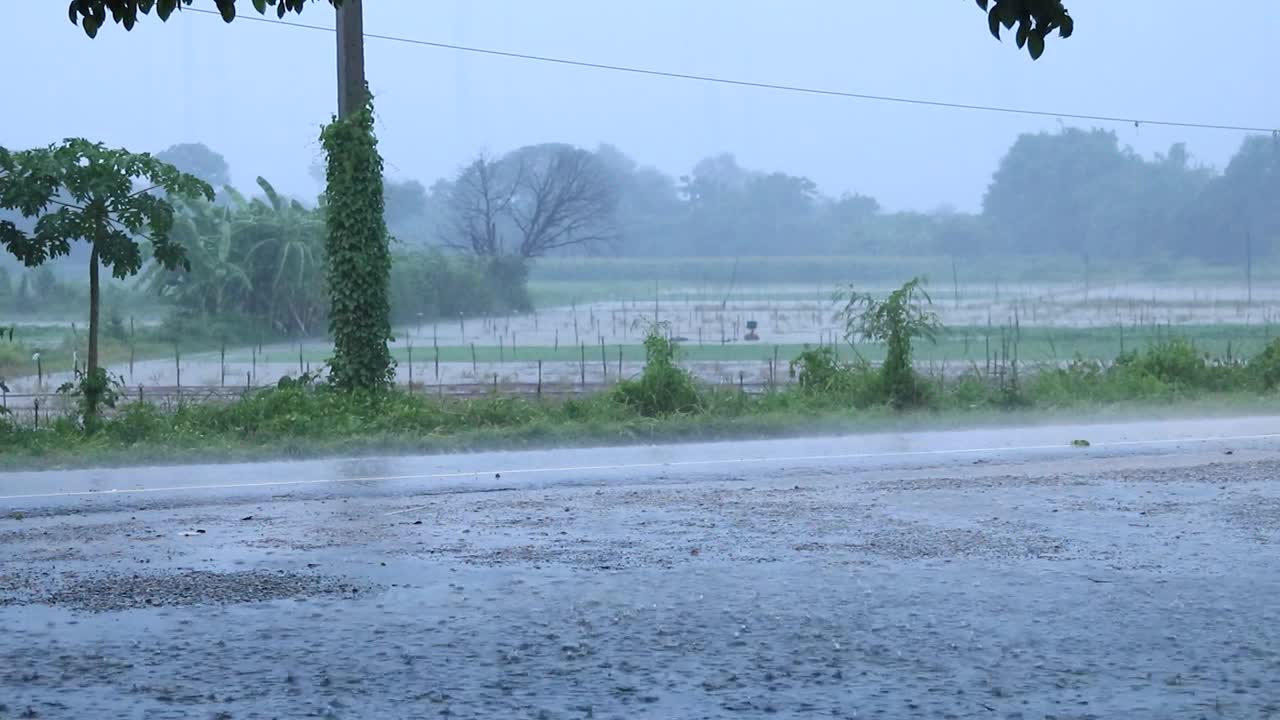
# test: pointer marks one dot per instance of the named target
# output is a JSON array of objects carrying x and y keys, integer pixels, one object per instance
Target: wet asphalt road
[{"x": 986, "y": 574}]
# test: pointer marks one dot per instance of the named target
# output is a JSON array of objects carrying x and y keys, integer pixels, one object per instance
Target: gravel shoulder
[{"x": 1136, "y": 587}]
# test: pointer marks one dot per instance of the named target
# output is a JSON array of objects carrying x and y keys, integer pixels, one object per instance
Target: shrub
[
  {"x": 895, "y": 321},
  {"x": 1176, "y": 362},
  {"x": 1265, "y": 366},
  {"x": 664, "y": 388}
]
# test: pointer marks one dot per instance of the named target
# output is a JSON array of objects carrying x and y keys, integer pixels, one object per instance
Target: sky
[{"x": 258, "y": 92}]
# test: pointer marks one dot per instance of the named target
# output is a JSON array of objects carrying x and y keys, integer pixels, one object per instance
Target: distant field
[
  {"x": 839, "y": 270},
  {"x": 973, "y": 344}
]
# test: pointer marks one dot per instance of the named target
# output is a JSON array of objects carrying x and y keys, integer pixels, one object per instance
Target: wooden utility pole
[{"x": 351, "y": 84}]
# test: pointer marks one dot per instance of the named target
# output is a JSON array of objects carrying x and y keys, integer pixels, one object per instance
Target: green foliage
[
  {"x": 92, "y": 14},
  {"x": 430, "y": 285},
  {"x": 820, "y": 373},
  {"x": 93, "y": 189},
  {"x": 1035, "y": 20},
  {"x": 96, "y": 200},
  {"x": 663, "y": 388},
  {"x": 91, "y": 390},
  {"x": 259, "y": 263},
  {"x": 1176, "y": 362},
  {"x": 897, "y": 320},
  {"x": 358, "y": 258},
  {"x": 1265, "y": 366}
]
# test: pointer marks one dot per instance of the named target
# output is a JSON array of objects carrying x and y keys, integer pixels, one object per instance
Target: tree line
[{"x": 1072, "y": 191}]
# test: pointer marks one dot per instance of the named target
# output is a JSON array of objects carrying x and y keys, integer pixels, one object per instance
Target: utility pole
[{"x": 351, "y": 84}]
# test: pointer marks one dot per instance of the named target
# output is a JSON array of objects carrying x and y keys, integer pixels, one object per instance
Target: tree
[
  {"x": 1035, "y": 19},
  {"x": 197, "y": 159},
  {"x": 562, "y": 197},
  {"x": 102, "y": 207},
  {"x": 548, "y": 197}
]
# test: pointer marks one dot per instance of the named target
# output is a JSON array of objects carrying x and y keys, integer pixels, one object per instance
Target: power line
[{"x": 763, "y": 85}]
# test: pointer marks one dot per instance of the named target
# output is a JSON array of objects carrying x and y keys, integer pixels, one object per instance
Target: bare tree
[
  {"x": 564, "y": 197},
  {"x": 546, "y": 196},
  {"x": 479, "y": 199}
]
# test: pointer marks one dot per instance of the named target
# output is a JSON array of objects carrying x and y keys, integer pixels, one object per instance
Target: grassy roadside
[
  {"x": 60, "y": 450},
  {"x": 300, "y": 420}
]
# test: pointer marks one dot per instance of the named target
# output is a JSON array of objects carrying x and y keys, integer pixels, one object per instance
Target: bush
[
  {"x": 1265, "y": 366},
  {"x": 1176, "y": 362},
  {"x": 897, "y": 320},
  {"x": 664, "y": 388},
  {"x": 431, "y": 285},
  {"x": 819, "y": 372}
]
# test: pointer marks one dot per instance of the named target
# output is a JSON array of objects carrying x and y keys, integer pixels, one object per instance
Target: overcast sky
[{"x": 258, "y": 93}]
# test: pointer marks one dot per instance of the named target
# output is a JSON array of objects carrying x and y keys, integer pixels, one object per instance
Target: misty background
[{"x": 257, "y": 93}]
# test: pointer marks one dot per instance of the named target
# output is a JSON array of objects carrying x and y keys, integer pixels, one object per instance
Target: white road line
[{"x": 633, "y": 466}]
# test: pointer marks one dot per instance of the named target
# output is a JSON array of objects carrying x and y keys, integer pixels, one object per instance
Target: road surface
[{"x": 979, "y": 574}]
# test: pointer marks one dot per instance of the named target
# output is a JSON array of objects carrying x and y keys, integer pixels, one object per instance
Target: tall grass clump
[
  {"x": 905, "y": 315},
  {"x": 663, "y": 388}
]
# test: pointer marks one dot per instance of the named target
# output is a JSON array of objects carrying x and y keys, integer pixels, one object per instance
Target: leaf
[
  {"x": 1068, "y": 26},
  {"x": 993, "y": 20},
  {"x": 228, "y": 9},
  {"x": 165, "y": 8},
  {"x": 260, "y": 6},
  {"x": 90, "y": 26},
  {"x": 1035, "y": 44},
  {"x": 982, "y": 4},
  {"x": 1023, "y": 30}
]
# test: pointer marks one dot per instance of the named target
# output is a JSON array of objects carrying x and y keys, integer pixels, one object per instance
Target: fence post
[
  {"x": 604, "y": 361},
  {"x": 410, "y": 365},
  {"x": 36, "y": 404},
  {"x": 742, "y": 382},
  {"x": 539, "y": 379},
  {"x": 619, "y": 363},
  {"x": 474, "y": 368},
  {"x": 582, "y": 366},
  {"x": 222, "y": 363}
]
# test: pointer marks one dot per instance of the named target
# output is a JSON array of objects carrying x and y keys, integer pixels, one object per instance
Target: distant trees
[{"x": 198, "y": 160}]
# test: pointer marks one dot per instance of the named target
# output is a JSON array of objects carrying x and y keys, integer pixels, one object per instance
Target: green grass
[
  {"x": 967, "y": 345},
  {"x": 832, "y": 270},
  {"x": 297, "y": 421}
]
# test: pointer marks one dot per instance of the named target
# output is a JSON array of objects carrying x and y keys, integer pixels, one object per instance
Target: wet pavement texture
[{"x": 1135, "y": 580}]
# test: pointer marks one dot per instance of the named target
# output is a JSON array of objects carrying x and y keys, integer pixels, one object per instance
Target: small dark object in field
[
  {"x": 417, "y": 522},
  {"x": 497, "y": 476},
  {"x": 1079, "y": 443},
  {"x": 246, "y": 517}
]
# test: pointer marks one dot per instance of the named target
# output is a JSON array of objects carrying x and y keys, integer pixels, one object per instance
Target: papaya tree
[{"x": 79, "y": 190}]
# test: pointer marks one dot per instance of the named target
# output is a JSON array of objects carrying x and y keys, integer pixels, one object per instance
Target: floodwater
[
  {"x": 785, "y": 315},
  {"x": 973, "y": 574}
]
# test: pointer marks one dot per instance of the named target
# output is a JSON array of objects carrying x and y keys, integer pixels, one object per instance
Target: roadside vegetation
[{"x": 306, "y": 416}]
